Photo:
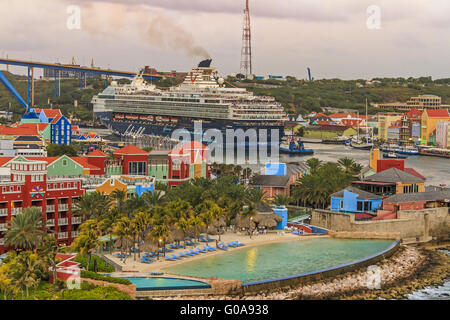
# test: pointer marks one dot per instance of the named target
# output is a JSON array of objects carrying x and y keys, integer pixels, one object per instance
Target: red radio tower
[{"x": 246, "y": 51}]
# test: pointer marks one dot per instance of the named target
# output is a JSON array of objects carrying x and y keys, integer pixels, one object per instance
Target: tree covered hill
[{"x": 300, "y": 96}]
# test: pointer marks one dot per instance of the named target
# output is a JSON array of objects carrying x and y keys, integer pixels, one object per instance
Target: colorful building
[
  {"x": 443, "y": 134},
  {"x": 355, "y": 200},
  {"x": 29, "y": 186},
  {"x": 392, "y": 181},
  {"x": 430, "y": 118},
  {"x": 385, "y": 120}
]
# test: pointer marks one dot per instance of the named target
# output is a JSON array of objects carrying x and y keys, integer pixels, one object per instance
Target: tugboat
[
  {"x": 296, "y": 149},
  {"x": 393, "y": 155}
]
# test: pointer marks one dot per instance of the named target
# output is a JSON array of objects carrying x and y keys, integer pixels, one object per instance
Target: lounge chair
[
  {"x": 181, "y": 254},
  {"x": 173, "y": 246},
  {"x": 203, "y": 240},
  {"x": 209, "y": 248},
  {"x": 193, "y": 252},
  {"x": 145, "y": 260},
  {"x": 237, "y": 243},
  {"x": 201, "y": 250},
  {"x": 171, "y": 259},
  {"x": 188, "y": 253},
  {"x": 231, "y": 244},
  {"x": 169, "y": 250},
  {"x": 210, "y": 239},
  {"x": 221, "y": 246},
  {"x": 175, "y": 257}
]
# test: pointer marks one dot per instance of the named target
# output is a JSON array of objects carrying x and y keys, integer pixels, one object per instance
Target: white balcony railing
[
  {"x": 15, "y": 211},
  {"x": 63, "y": 207},
  {"x": 75, "y": 234},
  {"x": 3, "y": 226},
  {"x": 50, "y": 222},
  {"x": 63, "y": 221},
  {"x": 62, "y": 235},
  {"x": 3, "y": 212},
  {"x": 50, "y": 208},
  {"x": 76, "y": 220}
]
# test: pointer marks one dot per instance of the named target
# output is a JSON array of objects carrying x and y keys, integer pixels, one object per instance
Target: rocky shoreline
[{"x": 408, "y": 270}]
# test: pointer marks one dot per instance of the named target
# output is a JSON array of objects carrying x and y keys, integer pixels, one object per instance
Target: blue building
[
  {"x": 352, "y": 199},
  {"x": 60, "y": 131}
]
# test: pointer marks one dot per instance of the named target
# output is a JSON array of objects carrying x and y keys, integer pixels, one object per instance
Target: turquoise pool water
[
  {"x": 163, "y": 283},
  {"x": 278, "y": 260}
]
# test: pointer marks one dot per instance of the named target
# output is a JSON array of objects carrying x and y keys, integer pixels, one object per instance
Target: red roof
[
  {"x": 56, "y": 119},
  {"x": 19, "y": 131},
  {"x": 40, "y": 126},
  {"x": 413, "y": 113},
  {"x": 49, "y": 113},
  {"x": 84, "y": 163},
  {"x": 437, "y": 113},
  {"x": 130, "y": 150},
  {"x": 414, "y": 173},
  {"x": 97, "y": 153},
  {"x": 319, "y": 115},
  {"x": 343, "y": 115}
]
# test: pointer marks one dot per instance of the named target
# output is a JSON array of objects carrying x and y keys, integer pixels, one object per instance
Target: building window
[
  {"x": 64, "y": 162},
  {"x": 137, "y": 168},
  {"x": 359, "y": 206}
]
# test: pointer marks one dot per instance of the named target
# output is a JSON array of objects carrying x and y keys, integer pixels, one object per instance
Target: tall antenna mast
[{"x": 246, "y": 51}]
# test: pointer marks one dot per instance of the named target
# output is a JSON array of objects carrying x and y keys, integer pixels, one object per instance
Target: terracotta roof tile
[{"x": 131, "y": 150}]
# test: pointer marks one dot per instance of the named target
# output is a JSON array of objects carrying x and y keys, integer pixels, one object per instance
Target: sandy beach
[{"x": 158, "y": 265}]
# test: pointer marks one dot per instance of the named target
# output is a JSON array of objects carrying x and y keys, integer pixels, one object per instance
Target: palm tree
[
  {"x": 256, "y": 195},
  {"x": 25, "y": 230},
  {"x": 47, "y": 253},
  {"x": 346, "y": 164},
  {"x": 314, "y": 164},
  {"x": 123, "y": 229},
  {"x": 92, "y": 206},
  {"x": 154, "y": 198},
  {"x": 88, "y": 239},
  {"x": 141, "y": 223},
  {"x": 281, "y": 199},
  {"x": 118, "y": 197},
  {"x": 28, "y": 271}
]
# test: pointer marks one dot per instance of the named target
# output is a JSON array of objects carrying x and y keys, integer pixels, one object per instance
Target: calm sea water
[
  {"x": 281, "y": 259},
  {"x": 435, "y": 169}
]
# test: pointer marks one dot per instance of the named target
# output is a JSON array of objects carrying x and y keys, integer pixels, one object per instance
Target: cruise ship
[{"x": 202, "y": 98}]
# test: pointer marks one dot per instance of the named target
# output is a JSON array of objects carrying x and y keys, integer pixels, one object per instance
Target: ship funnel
[{"x": 205, "y": 63}]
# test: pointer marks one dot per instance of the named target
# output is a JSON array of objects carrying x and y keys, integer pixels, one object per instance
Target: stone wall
[{"x": 418, "y": 224}]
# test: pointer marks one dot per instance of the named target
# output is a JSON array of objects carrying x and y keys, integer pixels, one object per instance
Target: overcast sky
[{"x": 331, "y": 37}]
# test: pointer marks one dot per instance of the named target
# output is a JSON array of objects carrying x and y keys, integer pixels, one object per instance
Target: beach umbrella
[{"x": 268, "y": 220}]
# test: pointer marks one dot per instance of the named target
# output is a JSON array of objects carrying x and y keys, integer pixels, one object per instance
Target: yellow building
[
  {"x": 426, "y": 101},
  {"x": 430, "y": 117},
  {"x": 385, "y": 120}
]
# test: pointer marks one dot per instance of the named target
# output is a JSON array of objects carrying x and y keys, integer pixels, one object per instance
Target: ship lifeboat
[
  {"x": 159, "y": 119},
  {"x": 174, "y": 120},
  {"x": 119, "y": 116}
]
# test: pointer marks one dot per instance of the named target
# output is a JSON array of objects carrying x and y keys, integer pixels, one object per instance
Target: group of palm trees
[
  {"x": 154, "y": 219},
  {"x": 34, "y": 253},
  {"x": 323, "y": 179}
]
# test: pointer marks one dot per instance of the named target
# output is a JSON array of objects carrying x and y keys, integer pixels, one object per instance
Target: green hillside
[{"x": 300, "y": 96}]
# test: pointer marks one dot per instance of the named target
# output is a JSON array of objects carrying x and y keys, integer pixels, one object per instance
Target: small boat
[
  {"x": 296, "y": 149},
  {"x": 394, "y": 155},
  {"x": 362, "y": 146}
]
